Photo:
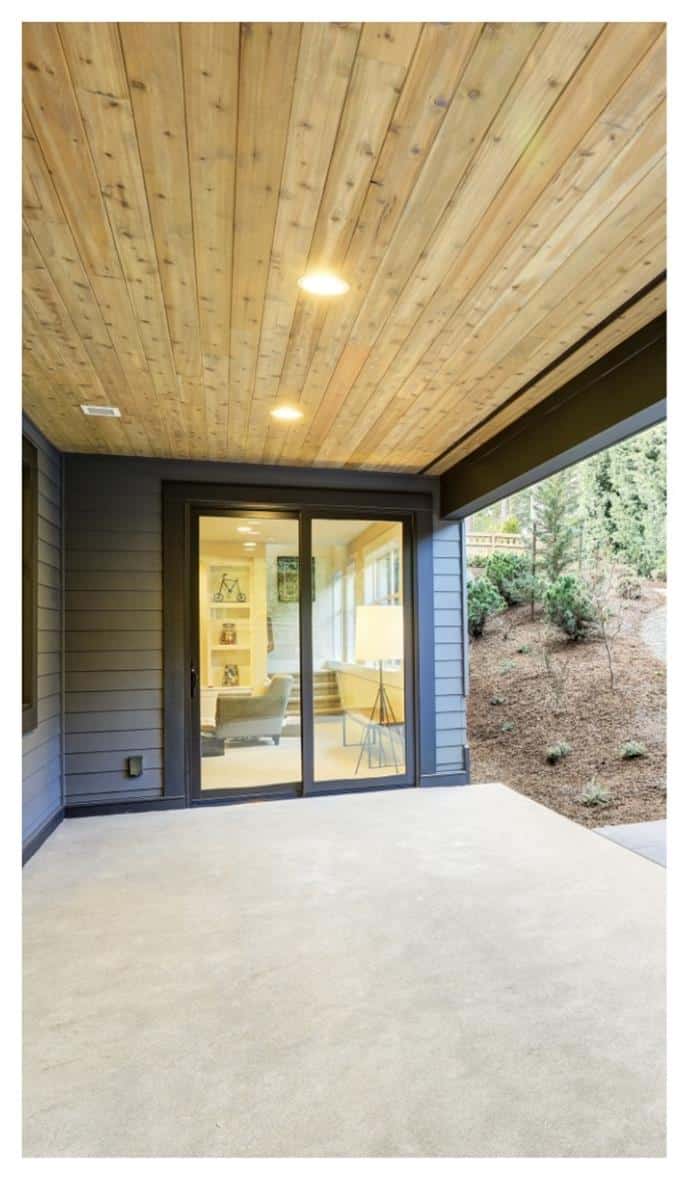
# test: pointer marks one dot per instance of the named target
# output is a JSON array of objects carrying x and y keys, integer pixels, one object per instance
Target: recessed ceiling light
[
  {"x": 286, "y": 414},
  {"x": 101, "y": 411},
  {"x": 323, "y": 282},
  {"x": 249, "y": 544},
  {"x": 244, "y": 528}
]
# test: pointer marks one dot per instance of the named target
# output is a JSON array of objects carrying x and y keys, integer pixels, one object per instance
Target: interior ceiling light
[
  {"x": 286, "y": 414},
  {"x": 322, "y": 282},
  {"x": 249, "y": 544},
  {"x": 101, "y": 411},
  {"x": 244, "y": 528}
]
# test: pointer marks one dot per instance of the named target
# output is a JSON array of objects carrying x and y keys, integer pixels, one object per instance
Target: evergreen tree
[{"x": 557, "y": 523}]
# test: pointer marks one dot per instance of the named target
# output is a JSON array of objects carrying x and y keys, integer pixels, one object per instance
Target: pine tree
[{"x": 557, "y": 523}]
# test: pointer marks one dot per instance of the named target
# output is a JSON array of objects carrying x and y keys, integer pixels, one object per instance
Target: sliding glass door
[
  {"x": 300, "y": 653},
  {"x": 358, "y": 650},
  {"x": 248, "y": 652}
]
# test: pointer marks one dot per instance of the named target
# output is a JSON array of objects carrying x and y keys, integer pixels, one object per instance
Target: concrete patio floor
[{"x": 449, "y": 972}]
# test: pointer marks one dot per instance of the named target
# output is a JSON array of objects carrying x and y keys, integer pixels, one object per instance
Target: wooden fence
[{"x": 483, "y": 544}]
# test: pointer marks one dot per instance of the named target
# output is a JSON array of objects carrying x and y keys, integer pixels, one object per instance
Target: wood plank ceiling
[{"x": 492, "y": 194}]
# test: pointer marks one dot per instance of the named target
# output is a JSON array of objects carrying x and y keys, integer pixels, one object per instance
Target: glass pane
[
  {"x": 358, "y": 650},
  {"x": 249, "y": 652}
]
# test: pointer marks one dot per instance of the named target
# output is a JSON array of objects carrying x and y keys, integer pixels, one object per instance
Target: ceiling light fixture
[
  {"x": 249, "y": 544},
  {"x": 323, "y": 282},
  {"x": 286, "y": 414},
  {"x": 101, "y": 411},
  {"x": 244, "y": 528}
]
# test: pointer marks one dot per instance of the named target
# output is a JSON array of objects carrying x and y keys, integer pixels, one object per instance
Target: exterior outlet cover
[{"x": 135, "y": 766}]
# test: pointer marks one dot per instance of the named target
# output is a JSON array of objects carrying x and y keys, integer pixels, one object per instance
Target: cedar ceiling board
[
  {"x": 99, "y": 307},
  {"x": 631, "y": 321},
  {"x": 441, "y": 430},
  {"x": 432, "y": 232},
  {"x": 590, "y": 257},
  {"x": 267, "y": 66},
  {"x": 498, "y": 56},
  {"x": 372, "y": 95},
  {"x": 326, "y": 56},
  {"x": 95, "y": 51},
  {"x": 417, "y": 119},
  {"x": 602, "y": 289},
  {"x": 560, "y": 329},
  {"x": 551, "y": 269},
  {"x": 210, "y": 54},
  {"x": 630, "y": 106}
]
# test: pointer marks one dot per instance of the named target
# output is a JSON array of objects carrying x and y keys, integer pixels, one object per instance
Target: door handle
[{"x": 193, "y": 679}]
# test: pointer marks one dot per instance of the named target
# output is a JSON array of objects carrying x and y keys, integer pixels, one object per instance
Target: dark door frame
[{"x": 182, "y": 504}]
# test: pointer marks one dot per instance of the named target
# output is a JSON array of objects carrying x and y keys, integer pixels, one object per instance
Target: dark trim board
[
  {"x": 614, "y": 398},
  {"x": 78, "y": 810},
  {"x": 31, "y": 846}
]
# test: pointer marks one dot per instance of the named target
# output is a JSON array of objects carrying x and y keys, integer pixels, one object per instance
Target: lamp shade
[{"x": 379, "y": 633}]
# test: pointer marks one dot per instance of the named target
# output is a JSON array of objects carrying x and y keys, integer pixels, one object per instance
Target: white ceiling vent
[{"x": 101, "y": 411}]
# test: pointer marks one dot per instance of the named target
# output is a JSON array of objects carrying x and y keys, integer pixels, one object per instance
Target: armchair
[{"x": 256, "y": 716}]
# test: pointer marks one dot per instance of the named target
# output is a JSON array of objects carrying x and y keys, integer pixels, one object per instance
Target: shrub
[
  {"x": 507, "y": 666},
  {"x": 479, "y": 562},
  {"x": 633, "y": 750},
  {"x": 510, "y": 574},
  {"x": 569, "y": 607},
  {"x": 523, "y": 649},
  {"x": 507, "y": 726},
  {"x": 496, "y": 700},
  {"x": 595, "y": 795},
  {"x": 629, "y": 587},
  {"x": 511, "y": 525},
  {"x": 557, "y": 752},
  {"x": 483, "y": 600}
]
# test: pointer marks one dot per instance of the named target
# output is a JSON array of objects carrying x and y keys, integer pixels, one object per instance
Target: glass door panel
[
  {"x": 358, "y": 650},
  {"x": 248, "y": 659}
]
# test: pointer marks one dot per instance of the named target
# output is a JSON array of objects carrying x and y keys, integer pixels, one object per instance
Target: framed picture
[
  {"x": 288, "y": 579},
  {"x": 230, "y": 676}
]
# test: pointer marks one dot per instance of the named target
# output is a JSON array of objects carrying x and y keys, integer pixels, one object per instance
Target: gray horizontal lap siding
[
  {"x": 113, "y": 634},
  {"x": 448, "y": 621},
  {"x": 42, "y": 794}
]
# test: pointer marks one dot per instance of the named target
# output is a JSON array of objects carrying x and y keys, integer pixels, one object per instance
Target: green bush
[
  {"x": 629, "y": 587},
  {"x": 595, "y": 795},
  {"x": 507, "y": 726},
  {"x": 557, "y": 752},
  {"x": 633, "y": 750},
  {"x": 479, "y": 562},
  {"x": 511, "y": 526},
  {"x": 511, "y": 576},
  {"x": 483, "y": 600},
  {"x": 497, "y": 700},
  {"x": 569, "y": 607}
]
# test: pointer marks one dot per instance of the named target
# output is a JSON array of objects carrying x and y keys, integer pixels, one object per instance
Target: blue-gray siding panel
[
  {"x": 449, "y": 626},
  {"x": 113, "y": 628},
  {"x": 42, "y": 788}
]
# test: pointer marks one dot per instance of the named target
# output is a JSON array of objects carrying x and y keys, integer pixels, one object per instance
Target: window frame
[{"x": 29, "y": 585}]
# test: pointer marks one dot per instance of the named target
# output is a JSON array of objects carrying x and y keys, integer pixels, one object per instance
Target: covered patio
[{"x": 409, "y": 973}]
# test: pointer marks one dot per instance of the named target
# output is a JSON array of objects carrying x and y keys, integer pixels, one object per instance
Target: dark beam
[{"x": 615, "y": 397}]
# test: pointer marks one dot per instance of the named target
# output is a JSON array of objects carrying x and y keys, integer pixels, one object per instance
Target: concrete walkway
[
  {"x": 446, "y": 972},
  {"x": 648, "y": 839},
  {"x": 654, "y": 633}
]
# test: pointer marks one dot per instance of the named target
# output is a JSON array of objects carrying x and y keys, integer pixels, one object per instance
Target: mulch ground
[{"x": 591, "y": 717}]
